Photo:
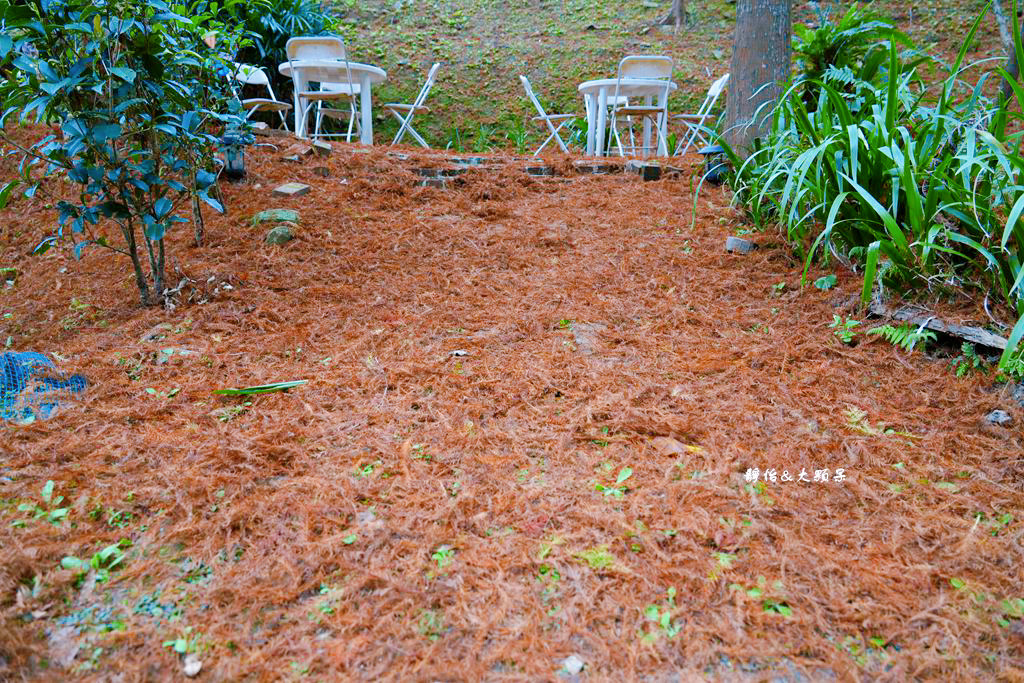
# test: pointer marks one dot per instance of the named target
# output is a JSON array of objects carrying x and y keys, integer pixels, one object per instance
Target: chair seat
[
  {"x": 639, "y": 111},
  {"x": 264, "y": 103},
  {"x": 325, "y": 95}
]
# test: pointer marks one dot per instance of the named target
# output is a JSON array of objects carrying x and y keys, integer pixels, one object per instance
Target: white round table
[
  {"x": 334, "y": 71},
  {"x": 596, "y": 94}
]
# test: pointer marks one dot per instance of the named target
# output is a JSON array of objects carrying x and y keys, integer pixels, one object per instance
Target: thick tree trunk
[
  {"x": 1012, "y": 67},
  {"x": 760, "y": 67},
  {"x": 677, "y": 15}
]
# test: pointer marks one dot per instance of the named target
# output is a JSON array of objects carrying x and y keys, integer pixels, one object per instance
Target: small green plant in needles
[
  {"x": 431, "y": 624},
  {"x": 565, "y": 324},
  {"x": 598, "y": 557},
  {"x": 843, "y": 328},
  {"x": 662, "y": 618},
  {"x": 48, "y": 511},
  {"x": 101, "y": 563},
  {"x": 185, "y": 643},
  {"x": 443, "y": 556},
  {"x": 826, "y": 282},
  {"x": 618, "y": 490},
  {"x": 968, "y": 361}
]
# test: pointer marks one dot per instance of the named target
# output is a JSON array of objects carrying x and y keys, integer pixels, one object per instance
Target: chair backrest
[
  {"x": 655, "y": 68},
  {"x": 718, "y": 86},
  {"x": 323, "y": 48},
  {"x": 425, "y": 90},
  {"x": 248, "y": 74},
  {"x": 316, "y": 47},
  {"x": 529, "y": 93}
]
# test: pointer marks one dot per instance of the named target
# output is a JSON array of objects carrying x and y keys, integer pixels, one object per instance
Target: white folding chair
[
  {"x": 405, "y": 123},
  {"x": 247, "y": 74},
  {"x": 351, "y": 93},
  {"x": 695, "y": 122},
  {"x": 655, "y": 70},
  {"x": 548, "y": 119},
  {"x": 327, "y": 49}
]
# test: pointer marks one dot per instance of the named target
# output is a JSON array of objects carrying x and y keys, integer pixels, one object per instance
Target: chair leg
[
  {"x": 418, "y": 138},
  {"x": 554, "y": 133},
  {"x": 351, "y": 120},
  {"x": 403, "y": 125}
]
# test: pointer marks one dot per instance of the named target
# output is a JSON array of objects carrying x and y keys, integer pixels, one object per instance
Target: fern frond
[{"x": 904, "y": 335}]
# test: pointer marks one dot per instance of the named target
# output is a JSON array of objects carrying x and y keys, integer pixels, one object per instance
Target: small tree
[{"x": 133, "y": 101}]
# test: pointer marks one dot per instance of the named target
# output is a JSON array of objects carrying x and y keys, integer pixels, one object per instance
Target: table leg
[
  {"x": 663, "y": 126},
  {"x": 365, "y": 109},
  {"x": 300, "y": 120},
  {"x": 588, "y": 103},
  {"x": 647, "y": 129},
  {"x": 602, "y": 115}
]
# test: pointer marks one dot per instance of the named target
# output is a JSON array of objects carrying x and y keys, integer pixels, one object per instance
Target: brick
[{"x": 291, "y": 190}]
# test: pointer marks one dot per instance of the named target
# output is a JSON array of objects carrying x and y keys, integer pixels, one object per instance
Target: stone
[
  {"x": 322, "y": 148},
  {"x": 649, "y": 170},
  {"x": 573, "y": 665},
  {"x": 322, "y": 171},
  {"x": 294, "y": 158},
  {"x": 281, "y": 234},
  {"x": 276, "y": 216},
  {"x": 291, "y": 190},
  {"x": 1018, "y": 394},
  {"x": 999, "y": 418},
  {"x": 739, "y": 245},
  {"x": 540, "y": 170},
  {"x": 433, "y": 182},
  {"x": 193, "y": 665}
]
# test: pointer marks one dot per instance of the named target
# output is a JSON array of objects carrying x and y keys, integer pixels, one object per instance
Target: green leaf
[
  {"x": 124, "y": 73},
  {"x": 624, "y": 474},
  {"x": 262, "y": 388},
  {"x": 350, "y": 539},
  {"x": 957, "y": 583},
  {"x": 71, "y": 562},
  {"x": 1012, "y": 343},
  {"x": 947, "y": 486},
  {"x": 47, "y": 491},
  {"x": 826, "y": 282}
]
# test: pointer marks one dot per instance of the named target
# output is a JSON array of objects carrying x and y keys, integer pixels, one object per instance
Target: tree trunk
[
  {"x": 1012, "y": 68},
  {"x": 677, "y": 15},
  {"x": 760, "y": 67}
]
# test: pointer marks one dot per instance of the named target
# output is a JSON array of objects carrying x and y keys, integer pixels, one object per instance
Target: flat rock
[
  {"x": 739, "y": 245},
  {"x": 573, "y": 665},
  {"x": 291, "y": 190},
  {"x": 321, "y": 148},
  {"x": 193, "y": 665},
  {"x": 276, "y": 216},
  {"x": 999, "y": 418},
  {"x": 282, "y": 234},
  {"x": 649, "y": 170},
  {"x": 322, "y": 171}
]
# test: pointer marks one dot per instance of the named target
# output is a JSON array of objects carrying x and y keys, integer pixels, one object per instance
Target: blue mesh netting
[{"x": 30, "y": 386}]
